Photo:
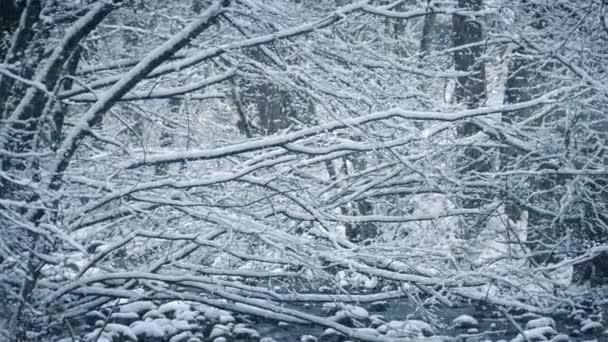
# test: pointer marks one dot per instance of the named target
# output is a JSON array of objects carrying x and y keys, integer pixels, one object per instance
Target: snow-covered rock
[
  {"x": 153, "y": 314},
  {"x": 370, "y": 283},
  {"x": 578, "y": 315},
  {"x": 220, "y": 330},
  {"x": 368, "y": 331},
  {"x": 184, "y": 336},
  {"x": 540, "y": 322},
  {"x": 167, "y": 326},
  {"x": 173, "y": 307},
  {"x": 96, "y": 336},
  {"x": 242, "y": 331},
  {"x": 138, "y": 307},
  {"x": 376, "y": 320},
  {"x": 409, "y": 328},
  {"x": 307, "y": 338},
  {"x": 356, "y": 312},
  {"x": 342, "y": 317},
  {"x": 226, "y": 318},
  {"x": 536, "y": 334},
  {"x": 324, "y": 289},
  {"x": 182, "y": 325},
  {"x": 591, "y": 327},
  {"x": 330, "y": 309},
  {"x": 560, "y": 338},
  {"x": 148, "y": 329},
  {"x": 330, "y": 335},
  {"x": 187, "y": 315},
  {"x": 212, "y": 314},
  {"x": 267, "y": 339},
  {"x": 465, "y": 321},
  {"x": 121, "y": 330}
]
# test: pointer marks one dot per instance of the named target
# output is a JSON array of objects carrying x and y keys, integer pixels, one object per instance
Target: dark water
[{"x": 493, "y": 325}]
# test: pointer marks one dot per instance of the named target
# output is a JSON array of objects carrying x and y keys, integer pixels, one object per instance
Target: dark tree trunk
[
  {"x": 470, "y": 90},
  {"x": 9, "y": 20}
]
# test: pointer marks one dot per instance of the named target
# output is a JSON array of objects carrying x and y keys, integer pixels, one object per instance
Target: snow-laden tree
[{"x": 239, "y": 153}]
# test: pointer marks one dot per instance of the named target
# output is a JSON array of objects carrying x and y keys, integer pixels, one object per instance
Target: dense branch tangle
[{"x": 127, "y": 177}]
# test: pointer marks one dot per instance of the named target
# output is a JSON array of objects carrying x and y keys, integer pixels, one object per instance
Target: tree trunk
[{"x": 470, "y": 90}]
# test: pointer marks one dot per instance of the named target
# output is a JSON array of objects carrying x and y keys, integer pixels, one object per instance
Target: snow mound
[
  {"x": 245, "y": 332},
  {"x": 186, "y": 315},
  {"x": 560, "y": 338},
  {"x": 121, "y": 330},
  {"x": 590, "y": 327},
  {"x": 536, "y": 334},
  {"x": 356, "y": 312},
  {"x": 148, "y": 329},
  {"x": 307, "y": 338},
  {"x": 153, "y": 314},
  {"x": 138, "y": 307},
  {"x": 540, "y": 322},
  {"x": 174, "y": 306},
  {"x": 96, "y": 336},
  {"x": 267, "y": 339},
  {"x": 368, "y": 331},
  {"x": 409, "y": 328},
  {"x": 184, "y": 336},
  {"x": 465, "y": 321},
  {"x": 220, "y": 330},
  {"x": 331, "y": 335},
  {"x": 226, "y": 318}
]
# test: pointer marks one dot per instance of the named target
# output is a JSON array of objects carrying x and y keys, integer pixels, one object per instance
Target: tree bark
[{"x": 470, "y": 90}]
